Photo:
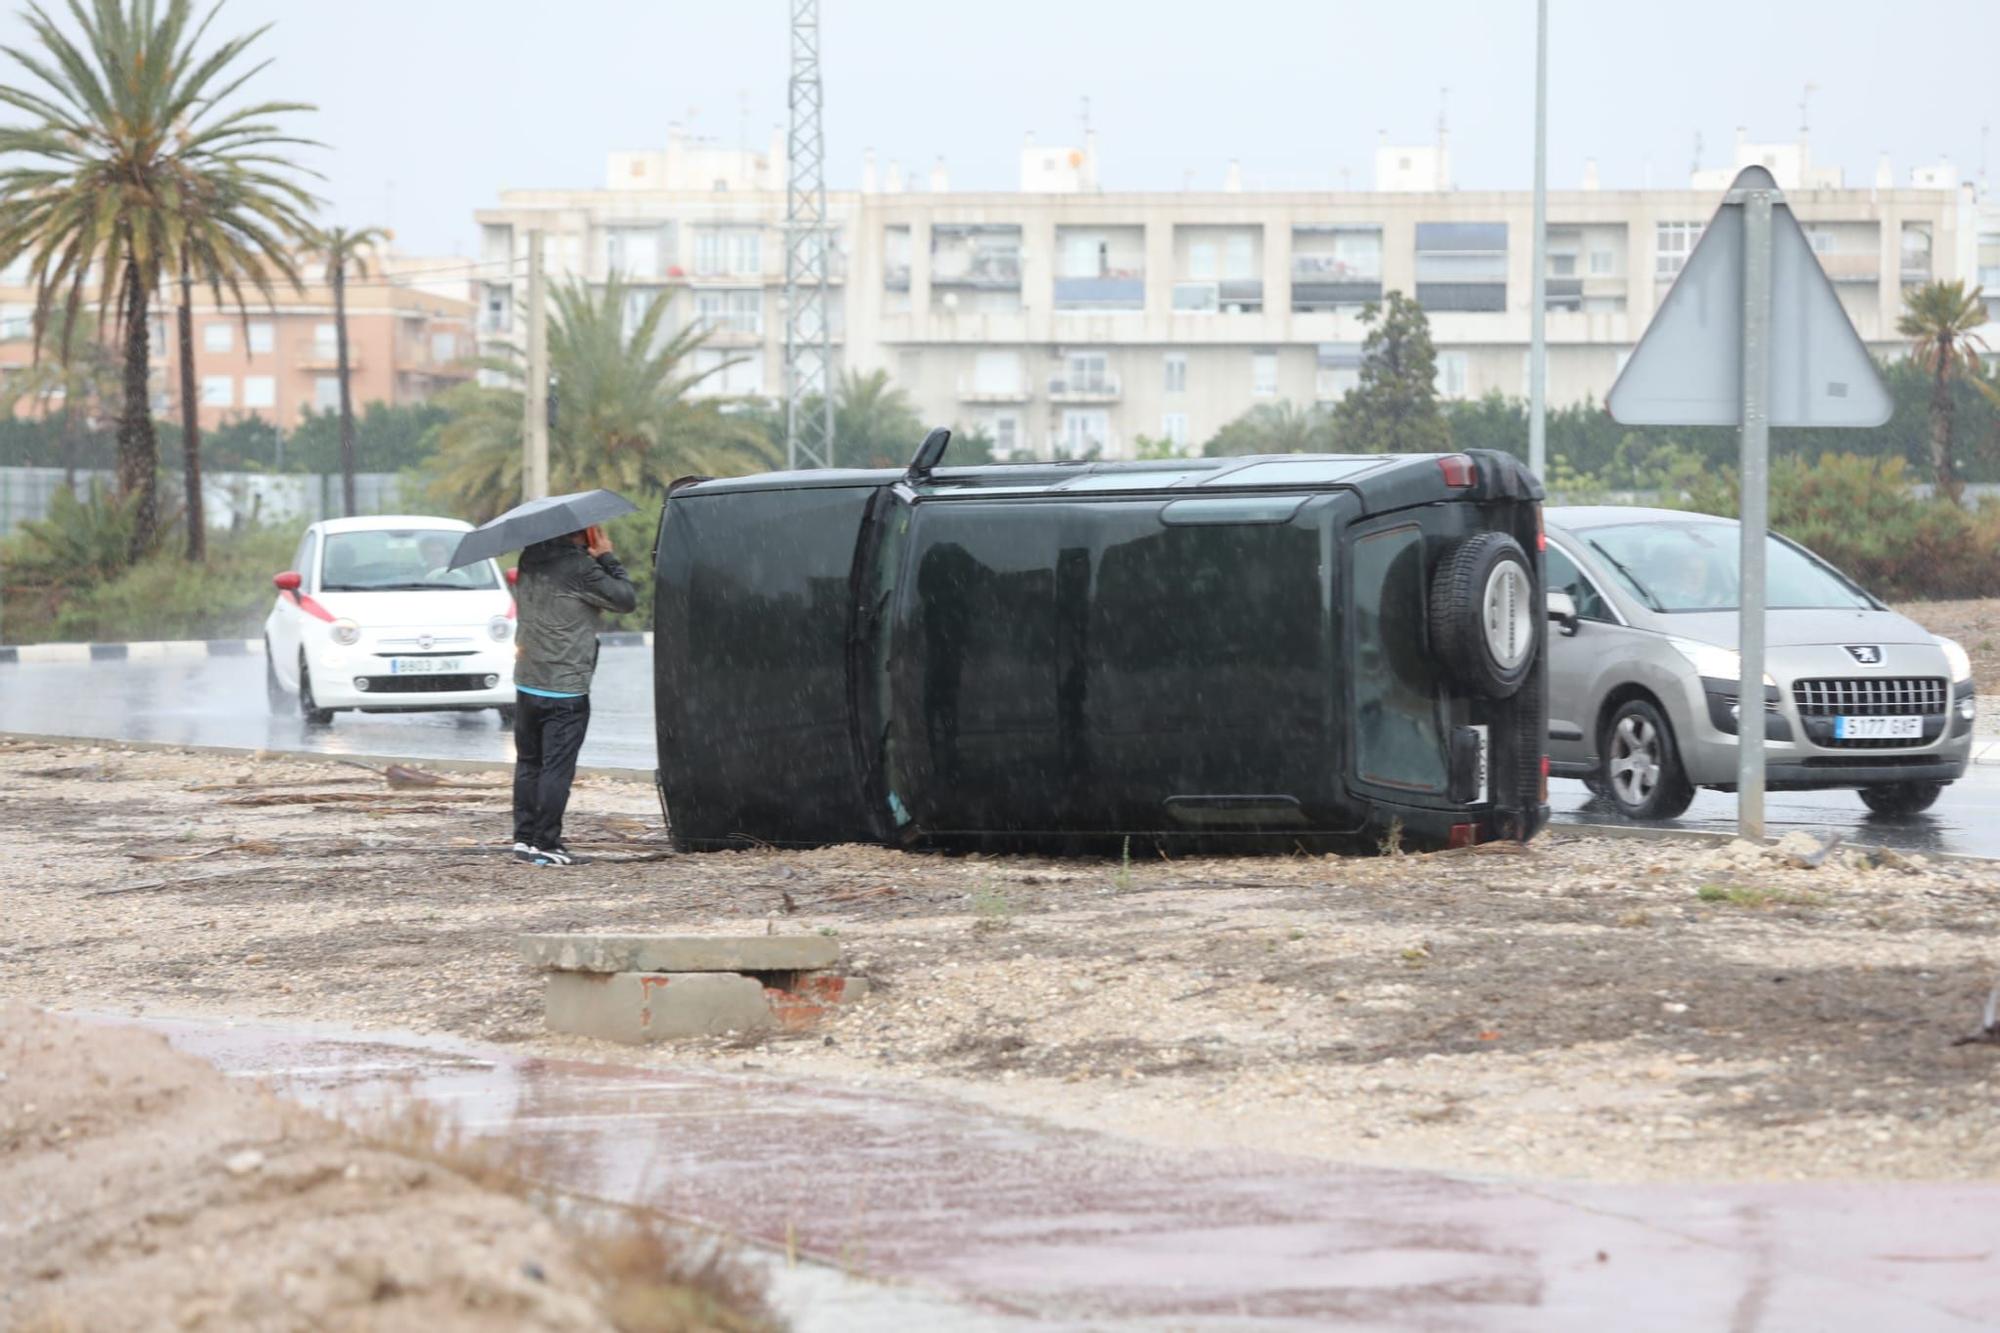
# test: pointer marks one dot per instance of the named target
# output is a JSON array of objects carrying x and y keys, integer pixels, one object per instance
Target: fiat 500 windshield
[{"x": 401, "y": 560}]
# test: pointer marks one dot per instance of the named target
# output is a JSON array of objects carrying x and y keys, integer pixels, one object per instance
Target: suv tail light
[{"x": 1458, "y": 470}]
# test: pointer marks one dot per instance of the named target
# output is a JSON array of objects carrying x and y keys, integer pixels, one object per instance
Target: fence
[{"x": 230, "y": 499}]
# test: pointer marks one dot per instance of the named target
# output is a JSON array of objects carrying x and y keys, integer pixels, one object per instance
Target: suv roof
[{"x": 1258, "y": 471}]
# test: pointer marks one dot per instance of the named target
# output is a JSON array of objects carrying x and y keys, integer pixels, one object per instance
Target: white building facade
[{"x": 1066, "y": 318}]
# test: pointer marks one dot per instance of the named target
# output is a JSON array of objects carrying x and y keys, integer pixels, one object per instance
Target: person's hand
[{"x": 596, "y": 541}]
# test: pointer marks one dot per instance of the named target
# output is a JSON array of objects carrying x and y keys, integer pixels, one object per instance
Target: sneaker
[
  {"x": 558, "y": 855},
  {"x": 523, "y": 852}
]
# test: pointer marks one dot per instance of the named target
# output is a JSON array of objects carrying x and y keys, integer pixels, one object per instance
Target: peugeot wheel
[
  {"x": 275, "y": 693},
  {"x": 1642, "y": 767},
  {"x": 309, "y": 708},
  {"x": 1898, "y": 800},
  {"x": 1486, "y": 621}
]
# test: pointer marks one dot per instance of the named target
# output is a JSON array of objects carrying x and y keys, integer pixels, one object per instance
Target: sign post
[{"x": 1751, "y": 335}]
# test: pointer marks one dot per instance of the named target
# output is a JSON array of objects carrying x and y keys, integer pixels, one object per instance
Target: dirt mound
[{"x": 139, "y": 1188}]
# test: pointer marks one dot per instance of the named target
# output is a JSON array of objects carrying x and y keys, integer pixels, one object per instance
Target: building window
[
  {"x": 1462, "y": 265},
  {"x": 1451, "y": 374},
  {"x": 634, "y": 251},
  {"x": 1174, "y": 429},
  {"x": 1603, "y": 264},
  {"x": 496, "y": 317},
  {"x": 1201, "y": 261},
  {"x": 720, "y": 251},
  {"x": 1006, "y": 434},
  {"x": 731, "y": 312},
  {"x": 1673, "y": 243},
  {"x": 1239, "y": 260},
  {"x": 1176, "y": 372},
  {"x": 444, "y": 347},
  {"x": 218, "y": 391},
  {"x": 326, "y": 341},
  {"x": 260, "y": 391},
  {"x": 997, "y": 372},
  {"x": 1085, "y": 434},
  {"x": 731, "y": 374},
  {"x": 326, "y": 393},
  {"x": 217, "y": 338},
  {"x": 1264, "y": 374}
]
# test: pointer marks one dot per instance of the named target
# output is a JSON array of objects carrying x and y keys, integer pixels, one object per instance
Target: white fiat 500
[{"x": 369, "y": 619}]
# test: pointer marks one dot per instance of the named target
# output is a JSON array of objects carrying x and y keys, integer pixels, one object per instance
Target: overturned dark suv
[{"x": 1267, "y": 653}]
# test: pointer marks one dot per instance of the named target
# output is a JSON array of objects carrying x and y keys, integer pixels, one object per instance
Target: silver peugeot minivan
[{"x": 1643, "y": 671}]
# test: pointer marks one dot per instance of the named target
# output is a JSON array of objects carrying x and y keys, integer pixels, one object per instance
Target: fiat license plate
[
  {"x": 1878, "y": 728},
  {"x": 425, "y": 666}
]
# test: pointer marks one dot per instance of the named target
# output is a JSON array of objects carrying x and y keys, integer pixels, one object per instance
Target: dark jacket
[{"x": 561, "y": 592}]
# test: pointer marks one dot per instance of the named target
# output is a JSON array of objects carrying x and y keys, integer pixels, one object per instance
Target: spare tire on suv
[{"x": 1485, "y": 624}]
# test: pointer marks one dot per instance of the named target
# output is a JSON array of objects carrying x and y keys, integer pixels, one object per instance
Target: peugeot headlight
[
  {"x": 501, "y": 628},
  {"x": 344, "y": 632},
  {"x": 1954, "y": 655},
  {"x": 1713, "y": 662}
]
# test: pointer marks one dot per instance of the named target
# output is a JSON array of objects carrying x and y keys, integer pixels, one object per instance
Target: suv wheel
[
  {"x": 1485, "y": 621},
  {"x": 1900, "y": 799},
  {"x": 309, "y": 708},
  {"x": 1642, "y": 770}
]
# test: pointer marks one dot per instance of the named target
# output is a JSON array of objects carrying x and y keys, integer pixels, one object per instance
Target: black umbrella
[{"x": 537, "y": 521}]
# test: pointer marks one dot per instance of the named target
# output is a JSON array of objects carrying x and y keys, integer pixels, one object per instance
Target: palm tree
[
  {"x": 129, "y": 135},
  {"x": 237, "y": 227},
  {"x": 874, "y": 422},
  {"x": 1939, "y": 319},
  {"x": 343, "y": 248},
  {"x": 623, "y": 421}
]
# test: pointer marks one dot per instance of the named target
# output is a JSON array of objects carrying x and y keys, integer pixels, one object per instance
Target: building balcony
[
  {"x": 987, "y": 272},
  {"x": 1084, "y": 389},
  {"x": 1851, "y": 266},
  {"x": 896, "y": 278},
  {"x": 1234, "y": 296},
  {"x": 1916, "y": 270},
  {"x": 1124, "y": 291},
  {"x": 971, "y": 391},
  {"x": 1322, "y": 293}
]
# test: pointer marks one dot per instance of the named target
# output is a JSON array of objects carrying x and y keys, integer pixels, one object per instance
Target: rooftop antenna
[
  {"x": 1086, "y": 116},
  {"x": 1697, "y": 155},
  {"x": 808, "y": 335},
  {"x": 1444, "y": 106},
  {"x": 1985, "y": 129}
]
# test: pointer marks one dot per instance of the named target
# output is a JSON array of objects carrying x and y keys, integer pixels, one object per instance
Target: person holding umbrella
[{"x": 568, "y": 579}]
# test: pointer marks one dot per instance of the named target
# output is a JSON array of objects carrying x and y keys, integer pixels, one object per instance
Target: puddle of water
[{"x": 987, "y": 1218}]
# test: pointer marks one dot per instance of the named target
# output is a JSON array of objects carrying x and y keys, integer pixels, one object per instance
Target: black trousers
[{"x": 548, "y": 733}]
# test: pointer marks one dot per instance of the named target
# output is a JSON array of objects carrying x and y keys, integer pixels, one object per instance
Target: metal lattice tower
[{"x": 808, "y": 333}]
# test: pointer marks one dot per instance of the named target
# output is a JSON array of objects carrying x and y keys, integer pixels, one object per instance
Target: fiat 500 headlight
[
  {"x": 501, "y": 628},
  {"x": 1955, "y": 656},
  {"x": 344, "y": 632}
]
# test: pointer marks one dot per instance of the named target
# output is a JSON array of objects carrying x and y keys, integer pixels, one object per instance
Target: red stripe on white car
[{"x": 309, "y": 606}]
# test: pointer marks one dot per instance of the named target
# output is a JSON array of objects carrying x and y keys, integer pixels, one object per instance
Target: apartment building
[
  {"x": 280, "y": 359},
  {"x": 1063, "y": 317}
]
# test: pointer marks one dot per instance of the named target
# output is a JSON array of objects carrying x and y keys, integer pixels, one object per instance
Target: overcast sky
[{"x": 431, "y": 107}]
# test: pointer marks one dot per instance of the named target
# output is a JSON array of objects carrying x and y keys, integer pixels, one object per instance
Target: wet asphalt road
[{"x": 220, "y": 701}]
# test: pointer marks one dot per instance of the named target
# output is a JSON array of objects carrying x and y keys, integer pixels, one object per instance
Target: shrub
[{"x": 1862, "y": 515}]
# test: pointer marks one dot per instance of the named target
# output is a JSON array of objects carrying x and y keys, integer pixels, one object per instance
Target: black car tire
[
  {"x": 309, "y": 708},
  {"x": 1484, "y": 577},
  {"x": 1642, "y": 771},
  {"x": 506, "y": 712},
  {"x": 1899, "y": 800},
  {"x": 275, "y": 693}
]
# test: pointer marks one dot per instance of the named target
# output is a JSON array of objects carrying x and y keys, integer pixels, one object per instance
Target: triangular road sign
[{"x": 1688, "y": 367}]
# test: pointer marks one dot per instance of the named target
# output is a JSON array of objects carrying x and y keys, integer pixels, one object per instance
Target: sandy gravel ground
[
  {"x": 140, "y": 1189},
  {"x": 1608, "y": 1009},
  {"x": 1975, "y": 623}
]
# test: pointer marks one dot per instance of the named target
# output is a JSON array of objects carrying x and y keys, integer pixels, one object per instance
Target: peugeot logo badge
[
  {"x": 424, "y": 641},
  {"x": 1866, "y": 653}
]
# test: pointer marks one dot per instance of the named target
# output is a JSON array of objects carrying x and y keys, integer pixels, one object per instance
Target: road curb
[{"x": 44, "y": 654}]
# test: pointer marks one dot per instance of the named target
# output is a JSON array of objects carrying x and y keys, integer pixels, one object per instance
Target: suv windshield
[
  {"x": 400, "y": 559},
  {"x": 1698, "y": 567}
]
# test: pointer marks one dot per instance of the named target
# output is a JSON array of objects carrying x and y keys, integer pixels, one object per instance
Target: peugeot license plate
[
  {"x": 1878, "y": 728},
  {"x": 424, "y": 666}
]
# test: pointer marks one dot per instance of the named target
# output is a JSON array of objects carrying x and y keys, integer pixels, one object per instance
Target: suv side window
[{"x": 1564, "y": 576}]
